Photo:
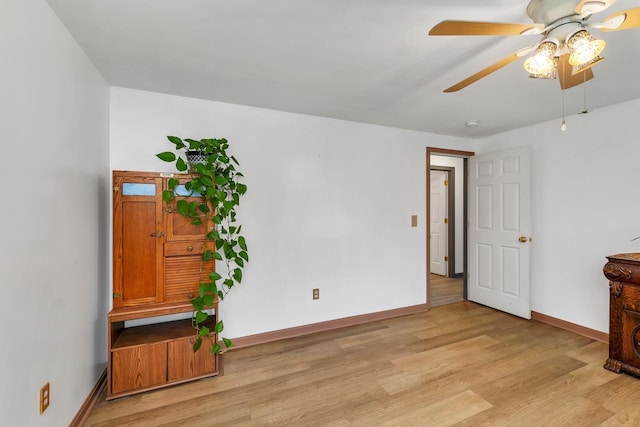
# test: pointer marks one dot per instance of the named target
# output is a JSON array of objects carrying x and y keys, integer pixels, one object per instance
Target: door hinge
[
  {"x": 116, "y": 188},
  {"x": 446, "y": 182},
  {"x": 446, "y": 220},
  {"x": 446, "y": 259},
  {"x": 116, "y": 295}
]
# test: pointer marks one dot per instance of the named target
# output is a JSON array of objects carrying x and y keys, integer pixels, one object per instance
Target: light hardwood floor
[
  {"x": 445, "y": 290},
  {"x": 460, "y": 364}
]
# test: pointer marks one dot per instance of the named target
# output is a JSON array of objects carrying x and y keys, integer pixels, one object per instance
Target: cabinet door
[
  {"x": 137, "y": 240},
  {"x": 135, "y": 368},
  {"x": 178, "y": 227},
  {"x": 184, "y": 363}
]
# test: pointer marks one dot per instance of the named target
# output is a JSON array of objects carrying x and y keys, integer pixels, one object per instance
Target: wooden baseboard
[
  {"x": 324, "y": 326},
  {"x": 90, "y": 401},
  {"x": 572, "y": 327}
]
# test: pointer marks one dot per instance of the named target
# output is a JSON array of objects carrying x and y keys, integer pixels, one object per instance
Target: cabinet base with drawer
[{"x": 148, "y": 357}]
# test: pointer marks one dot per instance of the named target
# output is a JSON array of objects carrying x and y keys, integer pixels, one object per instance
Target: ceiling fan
[{"x": 566, "y": 48}]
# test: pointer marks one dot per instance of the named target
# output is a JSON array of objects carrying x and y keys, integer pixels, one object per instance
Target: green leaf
[
  {"x": 242, "y": 188},
  {"x": 171, "y": 183},
  {"x": 221, "y": 295},
  {"x": 214, "y": 275},
  {"x": 201, "y": 316},
  {"x": 204, "y": 331},
  {"x": 220, "y": 180},
  {"x": 237, "y": 275},
  {"x": 235, "y": 160},
  {"x": 197, "y": 303},
  {"x": 217, "y": 256},
  {"x": 197, "y": 344},
  {"x": 219, "y": 327},
  {"x": 227, "y": 342},
  {"x": 181, "y": 165},
  {"x": 242, "y": 242},
  {"x": 239, "y": 261},
  {"x": 175, "y": 140},
  {"x": 215, "y": 348},
  {"x": 196, "y": 221},
  {"x": 167, "y": 196},
  {"x": 183, "y": 207},
  {"x": 244, "y": 255},
  {"x": 167, "y": 156},
  {"x": 207, "y": 255},
  {"x": 228, "y": 205},
  {"x": 208, "y": 300}
]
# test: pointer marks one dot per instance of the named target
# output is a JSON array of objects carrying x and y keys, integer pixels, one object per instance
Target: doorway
[{"x": 446, "y": 255}]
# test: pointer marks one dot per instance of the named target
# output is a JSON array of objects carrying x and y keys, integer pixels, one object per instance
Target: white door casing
[
  {"x": 439, "y": 229},
  {"x": 499, "y": 218}
]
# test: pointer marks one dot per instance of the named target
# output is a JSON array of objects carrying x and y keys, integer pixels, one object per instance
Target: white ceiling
[{"x": 367, "y": 61}]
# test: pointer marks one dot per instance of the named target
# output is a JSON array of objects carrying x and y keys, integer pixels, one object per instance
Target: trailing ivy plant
[{"x": 215, "y": 180}]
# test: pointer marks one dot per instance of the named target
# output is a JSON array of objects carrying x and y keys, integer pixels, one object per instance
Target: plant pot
[{"x": 195, "y": 157}]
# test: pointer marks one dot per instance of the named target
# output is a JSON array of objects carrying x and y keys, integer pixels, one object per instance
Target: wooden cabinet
[
  {"x": 157, "y": 269},
  {"x": 623, "y": 272},
  {"x": 151, "y": 356},
  {"x": 156, "y": 251}
]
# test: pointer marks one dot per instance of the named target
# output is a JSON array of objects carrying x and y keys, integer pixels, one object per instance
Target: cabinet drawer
[{"x": 184, "y": 248}]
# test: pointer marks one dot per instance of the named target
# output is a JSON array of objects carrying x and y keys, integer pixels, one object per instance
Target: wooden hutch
[{"x": 157, "y": 268}]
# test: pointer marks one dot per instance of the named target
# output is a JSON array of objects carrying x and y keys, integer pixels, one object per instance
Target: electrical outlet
[
  {"x": 316, "y": 293},
  {"x": 45, "y": 397}
]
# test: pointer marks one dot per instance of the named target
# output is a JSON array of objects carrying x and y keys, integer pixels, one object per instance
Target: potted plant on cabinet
[{"x": 214, "y": 179}]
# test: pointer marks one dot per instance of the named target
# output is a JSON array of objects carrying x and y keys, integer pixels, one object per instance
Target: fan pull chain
[{"x": 563, "y": 127}]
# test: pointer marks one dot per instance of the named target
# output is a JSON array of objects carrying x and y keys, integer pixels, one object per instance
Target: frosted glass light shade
[
  {"x": 583, "y": 48},
  {"x": 542, "y": 63}
]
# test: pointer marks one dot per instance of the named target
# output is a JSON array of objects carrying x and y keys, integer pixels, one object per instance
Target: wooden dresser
[{"x": 623, "y": 272}]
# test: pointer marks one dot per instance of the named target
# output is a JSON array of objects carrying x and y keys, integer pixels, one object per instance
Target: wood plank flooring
[
  {"x": 445, "y": 290},
  {"x": 460, "y": 364}
]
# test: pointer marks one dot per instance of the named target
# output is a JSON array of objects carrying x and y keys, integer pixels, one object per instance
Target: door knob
[{"x": 524, "y": 239}]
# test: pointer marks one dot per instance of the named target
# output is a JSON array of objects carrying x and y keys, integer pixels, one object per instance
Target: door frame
[
  {"x": 451, "y": 215},
  {"x": 451, "y": 153}
]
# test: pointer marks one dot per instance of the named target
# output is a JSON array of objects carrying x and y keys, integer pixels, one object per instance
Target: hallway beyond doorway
[{"x": 445, "y": 290}]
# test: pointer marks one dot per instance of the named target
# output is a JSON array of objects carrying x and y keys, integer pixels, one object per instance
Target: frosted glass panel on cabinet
[
  {"x": 181, "y": 190},
  {"x": 138, "y": 189}
]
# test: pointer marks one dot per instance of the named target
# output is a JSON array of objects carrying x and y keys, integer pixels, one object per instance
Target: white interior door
[
  {"x": 439, "y": 228},
  {"x": 499, "y": 230}
]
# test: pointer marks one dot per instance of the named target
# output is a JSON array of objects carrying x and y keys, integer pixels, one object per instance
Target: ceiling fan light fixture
[
  {"x": 583, "y": 47},
  {"x": 543, "y": 62}
]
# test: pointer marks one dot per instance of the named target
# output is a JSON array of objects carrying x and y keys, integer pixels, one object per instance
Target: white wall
[
  {"x": 53, "y": 255},
  {"x": 458, "y": 164},
  {"x": 584, "y": 207},
  {"x": 328, "y": 206}
]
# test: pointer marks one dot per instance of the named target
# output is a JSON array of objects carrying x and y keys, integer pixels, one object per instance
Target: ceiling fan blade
[
  {"x": 472, "y": 28},
  {"x": 589, "y": 7},
  {"x": 567, "y": 80},
  {"x": 485, "y": 72},
  {"x": 630, "y": 19}
]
